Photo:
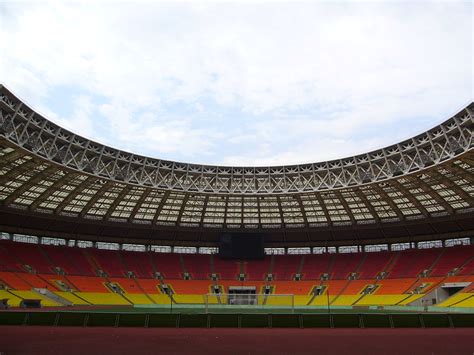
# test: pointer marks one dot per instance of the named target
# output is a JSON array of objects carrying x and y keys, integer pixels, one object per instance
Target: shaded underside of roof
[{"x": 423, "y": 186}]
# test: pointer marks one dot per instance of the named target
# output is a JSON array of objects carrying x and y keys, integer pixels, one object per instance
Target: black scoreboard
[{"x": 241, "y": 246}]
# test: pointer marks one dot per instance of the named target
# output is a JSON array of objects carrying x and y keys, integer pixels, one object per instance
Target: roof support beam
[
  {"x": 433, "y": 194},
  {"x": 97, "y": 195},
  {"x": 28, "y": 185},
  {"x": 346, "y": 206},
  {"x": 55, "y": 186},
  {"x": 366, "y": 202},
  {"x": 406, "y": 193},
  {"x": 160, "y": 206},
  {"x": 447, "y": 182},
  {"x": 379, "y": 189},
  {"x": 73, "y": 194},
  {"x": 139, "y": 203},
  {"x": 126, "y": 189}
]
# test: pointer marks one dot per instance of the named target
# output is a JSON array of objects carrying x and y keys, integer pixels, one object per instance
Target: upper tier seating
[
  {"x": 109, "y": 261},
  {"x": 373, "y": 264},
  {"x": 7, "y": 261},
  {"x": 71, "y": 260},
  {"x": 450, "y": 259},
  {"x": 410, "y": 263},
  {"x": 344, "y": 264},
  {"x": 199, "y": 266},
  {"x": 315, "y": 265},
  {"x": 257, "y": 269},
  {"x": 85, "y": 262},
  {"x": 28, "y": 254},
  {"x": 468, "y": 268},
  {"x": 169, "y": 265},
  {"x": 139, "y": 263},
  {"x": 286, "y": 266},
  {"x": 226, "y": 269}
]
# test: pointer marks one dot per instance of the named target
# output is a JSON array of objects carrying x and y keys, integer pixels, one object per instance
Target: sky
[{"x": 244, "y": 83}]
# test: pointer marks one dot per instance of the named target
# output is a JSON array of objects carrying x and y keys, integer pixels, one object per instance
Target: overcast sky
[{"x": 241, "y": 84}]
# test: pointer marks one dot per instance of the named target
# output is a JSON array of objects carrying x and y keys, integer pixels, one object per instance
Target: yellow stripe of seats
[
  {"x": 36, "y": 296},
  {"x": 13, "y": 300},
  {"x": 380, "y": 300},
  {"x": 455, "y": 299},
  {"x": 71, "y": 297},
  {"x": 103, "y": 298}
]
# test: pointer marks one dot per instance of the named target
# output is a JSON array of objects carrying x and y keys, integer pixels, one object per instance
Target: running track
[{"x": 135, "y": 341}]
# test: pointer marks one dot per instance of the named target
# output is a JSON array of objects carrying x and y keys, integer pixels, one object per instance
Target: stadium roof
[{"x": 70, "y": 186}]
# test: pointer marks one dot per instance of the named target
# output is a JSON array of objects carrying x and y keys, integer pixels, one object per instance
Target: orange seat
[{"x": 89, "y": 283}]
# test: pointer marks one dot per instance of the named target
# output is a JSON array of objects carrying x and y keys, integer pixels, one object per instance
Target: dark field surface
[{"x": 102, "y": 340}]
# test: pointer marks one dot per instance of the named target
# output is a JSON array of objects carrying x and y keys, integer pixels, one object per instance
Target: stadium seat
[{"x": 350, "y": 275}]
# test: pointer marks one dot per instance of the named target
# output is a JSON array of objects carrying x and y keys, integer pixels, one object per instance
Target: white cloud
[
  {"x": 164, "y": 134},
  {"x": 234, "y": 83},
  {"x": 81, "y": 119}
]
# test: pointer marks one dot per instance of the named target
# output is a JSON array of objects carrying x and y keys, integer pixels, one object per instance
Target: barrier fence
[{"x": 223, "y": 320}]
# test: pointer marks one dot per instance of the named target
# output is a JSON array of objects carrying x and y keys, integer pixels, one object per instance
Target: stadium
[{"x": 95, "y": 236}]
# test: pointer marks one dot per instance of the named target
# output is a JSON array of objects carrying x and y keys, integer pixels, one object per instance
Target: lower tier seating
[{"x": 97, "y": 291}]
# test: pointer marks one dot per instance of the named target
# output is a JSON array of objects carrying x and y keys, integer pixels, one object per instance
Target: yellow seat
[
  {"x": 467, "y": 302},
  {"x": 345, "y": 300},
  {"x": 409, "y": 299},
  {"x": 97, "y": 298},
  {"x": 322, "y": 300},
  {"x": 138, "y": 298},
  {"x": 159, "y": 298},
  {"x": 71, "y": 297},
  {"x": 13, "y": 301},
  {"x": 380, "y": 300},
  {"x": 193, "y": 299},
  {"x": 301, "y": 300},
  {"x": 456, "y": 300},
  {"x": 45, "y": 301}
]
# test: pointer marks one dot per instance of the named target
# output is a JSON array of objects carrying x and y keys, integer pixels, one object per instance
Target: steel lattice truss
[{"x": 45, "y": 168}]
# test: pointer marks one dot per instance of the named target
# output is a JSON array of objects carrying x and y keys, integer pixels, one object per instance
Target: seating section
[
  {"x": 71, "y": 260},
  {"x": 199, "y": 266},
  {"x": 77, "y": 280},
  {"x": 316, "y": 265},
  {"x": 449, "y": 260},
  {"x": 139, "y": 263},
  {"x": 169, "y": 265},
  {"x": 411, "y": 263},
  {"x": 373, "y": 264},
  {"x": 182, "y": 287},
  {"x": 28, "y": 254},
  {"x": 394, "y": 286},
  {"x": 286, "y": 266},
  {"x": 345, "y": 264},
  {"x": 226, "y": 269},
  {"x": 257, "y": 269},
  {"x": 88, "y": 283},
  {"x": 468, "y": 267},
  {"x": 7, "y": 261},
  {"x": 14, "y": 281},
  {"x": 108, "y": 260}
]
